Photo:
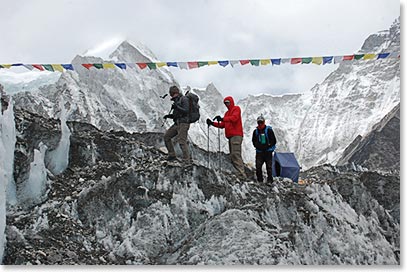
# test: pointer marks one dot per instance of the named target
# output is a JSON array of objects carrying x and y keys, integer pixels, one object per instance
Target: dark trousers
[{"x": 264, "y": 157}]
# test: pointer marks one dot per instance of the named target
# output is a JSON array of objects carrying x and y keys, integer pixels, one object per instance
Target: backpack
[
  {"x": 266, "y": 138},
  {"x": 193, "y": 107}
]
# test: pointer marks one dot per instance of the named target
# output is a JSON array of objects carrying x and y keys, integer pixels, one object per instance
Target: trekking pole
[
  {"x": 208, "y": 146},
  {"x": 220, "y": 168}
]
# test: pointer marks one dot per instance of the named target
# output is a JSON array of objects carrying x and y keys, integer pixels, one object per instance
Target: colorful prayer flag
[
  {"x": 172, "y": 64},
  {"x": 87, "y": 65},
  {"x": 244, "y": 62},
  {"x": 306, "y": 60},
  {"x": 255, "y": 62},
  {"x": 369, "y": 56},
  {"x": 192, "y": 64},
  {"x": 67, "y": 66},
  {"x": 183, "y": 65},
  {"x": 202, "y": 63},
  {"x": 275, "y": 61},
  {"x": 223, "y": 63},
  {"x": 326, "y": 60},
  {"x": 161, "y": 64},
  {"x": 265, "y": 61},
  {"x": 296, "y": 60},
  {"x": 358, "y": 56},
  {"x": 141, "y": 65},
  {"x": 57, "y": 67},
  {"x": 338, "y": 59},
  {"x": 38, "y": 66},
  {"x": 108, "y": 65},
  {"x": 383, "y": 55},
  {"x": 152, "y": 65},
  {"x": 212, "y": 62},
  {"x": 98, "y": 65},
  {"x": 317, "y": 60},
  {"x": 350, "y": 57},
  {"x": 48, "y": 67}
]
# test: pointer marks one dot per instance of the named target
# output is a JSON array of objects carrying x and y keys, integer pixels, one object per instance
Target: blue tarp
[{"x": 286, "y": 165}]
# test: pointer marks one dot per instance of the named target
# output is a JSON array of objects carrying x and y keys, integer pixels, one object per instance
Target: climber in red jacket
[{"x": 232, "y": 123}]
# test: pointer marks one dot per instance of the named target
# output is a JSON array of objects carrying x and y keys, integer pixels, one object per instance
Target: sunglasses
[
  {"x": 227, "y": 102},
  {"x": 260, "y": 122}
]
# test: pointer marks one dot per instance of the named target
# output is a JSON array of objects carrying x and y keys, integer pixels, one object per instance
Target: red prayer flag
[
  {"x": 192, "y": 64},
  {"x": 87, "y": 65},
  {"x": 348, "y": 57},
  {"x": 243, "y": 62},
  {"x": 142, "y": 65},
  {"x": 296, "y": 60},
  {"x": 38, "y": 66}
]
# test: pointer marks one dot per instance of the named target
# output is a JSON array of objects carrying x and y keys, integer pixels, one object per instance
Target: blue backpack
[{"x": 263, "y": 138}]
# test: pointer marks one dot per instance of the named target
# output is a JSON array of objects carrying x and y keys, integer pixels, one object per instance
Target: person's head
[
  {"x": 261, "y": 120},
  {"x": 174, "y": 91},
  {"x": 228, "y": 101}
]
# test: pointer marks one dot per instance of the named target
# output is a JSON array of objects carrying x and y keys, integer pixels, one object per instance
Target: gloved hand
[
  {"x": 218, "y": 118},
  {"x": 209, "y": 122},
  {"x": 169, "y": 116},
  {"x": 173, "y": 106}
]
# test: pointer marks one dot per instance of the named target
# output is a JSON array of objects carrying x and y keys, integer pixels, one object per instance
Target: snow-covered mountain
[
  {"x": 380, "y": 149},
  {"x": 113, "y": 99},
  {"x": 319, "y": 125}
]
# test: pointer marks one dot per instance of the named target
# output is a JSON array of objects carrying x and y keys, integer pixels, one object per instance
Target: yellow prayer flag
[
  {"x": 161, "y": 64},
  {"x": 108, "y": 65},
  {"x": 212, "y": 62},
  {"x": 369, "y": 56},
  {"x": 57, "y": 67},
  {"x": 265, "y": 61},
  {"x": 6, "y": 65},
  {"x": 317, "y": 60}
]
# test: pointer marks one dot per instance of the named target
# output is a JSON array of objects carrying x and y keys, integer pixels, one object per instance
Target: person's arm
[
  {"x": 272, "y": 137},
  {"x": 254, "y": 140},
  {"x": 219, "y": 124}
]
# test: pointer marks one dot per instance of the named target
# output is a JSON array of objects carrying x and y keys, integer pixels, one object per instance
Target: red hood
[{"x": 232, "y": 102}]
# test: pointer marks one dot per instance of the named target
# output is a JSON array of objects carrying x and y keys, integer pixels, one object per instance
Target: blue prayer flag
[
  {"x": 67, "y": 66},
  {"x": 173, "y": 64},
  {"x": 383, "y": 55},
  {"x": 223, "y": 63},
  {"x": 326, "y": 60},
  {"x": 121, "y": 65},
  {"x": 275, "y": 61}
]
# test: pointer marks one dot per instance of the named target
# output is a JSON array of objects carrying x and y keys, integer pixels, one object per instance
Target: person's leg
[
  {"x": 183, "y": 141},
  {"x": 259, "y": 165},
  {"x": 169, "y": 134},
  {"x": 269, "y": 166},
  {"x": 235, "y": 144}
]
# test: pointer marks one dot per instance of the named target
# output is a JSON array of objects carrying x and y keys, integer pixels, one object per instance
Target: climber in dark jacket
[
  {"x": 180, "y": 111},
  {"x": 264, "y": 141}
]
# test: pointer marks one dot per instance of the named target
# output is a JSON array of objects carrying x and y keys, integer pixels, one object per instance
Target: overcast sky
[{"x": 50, "y": 31}]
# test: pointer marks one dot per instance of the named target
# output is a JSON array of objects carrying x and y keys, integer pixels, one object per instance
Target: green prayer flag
[
  {"x": 48, "y": 67},
  {"x": 98, "y": 65},
  {"x": 306, "y": 60},
  {"x": 255, "y": 62},
  {"x": 152, "y": 65},
  {"x": 202, "y": 63},
  {"x": 359, "y": 56}
]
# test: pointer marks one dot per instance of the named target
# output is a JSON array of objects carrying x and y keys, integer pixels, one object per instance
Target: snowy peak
[
  {"x": 126, "y": 52},
  {"x": 383, "y": 41}
]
